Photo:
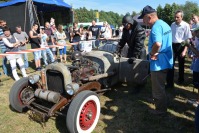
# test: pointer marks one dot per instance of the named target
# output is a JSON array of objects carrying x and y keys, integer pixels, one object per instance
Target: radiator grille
[{"x": 55, "y": 81}]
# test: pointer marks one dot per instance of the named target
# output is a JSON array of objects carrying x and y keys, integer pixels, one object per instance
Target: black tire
[
  {"x": 83, "y": 113},
  {"x": 15, "y": 94}
]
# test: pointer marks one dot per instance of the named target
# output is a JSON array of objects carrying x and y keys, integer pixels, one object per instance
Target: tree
[
  {"x": 167, "y": 13},
  {"x": 134, "y": 13},
  {"x": 84, "y": 15},
  {"x": 190, "y": 8}
]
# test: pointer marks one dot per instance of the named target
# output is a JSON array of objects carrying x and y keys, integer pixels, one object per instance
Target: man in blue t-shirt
[{"x": 161, "y": 57}]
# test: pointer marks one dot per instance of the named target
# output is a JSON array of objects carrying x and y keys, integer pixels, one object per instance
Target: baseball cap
[
  {"x": 146, "y": 10},
  {"x": 41, "y": 27}
]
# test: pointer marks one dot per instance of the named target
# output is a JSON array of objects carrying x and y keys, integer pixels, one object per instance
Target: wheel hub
[
  {"x": 88, "y": 115},
  {"x": 26, "y": 94}
]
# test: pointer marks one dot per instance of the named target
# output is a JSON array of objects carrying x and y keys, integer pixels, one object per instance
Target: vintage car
[{"x": 72, "y": 90}]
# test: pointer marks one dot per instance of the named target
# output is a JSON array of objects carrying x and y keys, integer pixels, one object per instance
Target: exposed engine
[{"x": 83, "y": 68}]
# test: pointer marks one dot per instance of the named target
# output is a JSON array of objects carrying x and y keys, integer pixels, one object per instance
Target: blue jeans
[
  {"x": 62, "y": 51},
  {"x": 75, "y": 47},
  {"x": 25, "y": 58},
  {"x": 37, "y": 55},
  {"x": 43, "y": 54},
  {"x": 4, "y": 62},
  {"x": 50, "y": 55},
  {"x": 95, "y": 43}
]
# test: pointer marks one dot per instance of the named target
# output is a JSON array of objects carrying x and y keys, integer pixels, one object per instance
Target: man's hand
[
  {"x": 131, "y": 60},
  {"x": 23, "y": 43},
  {"x": 186, "y": 42},
  {"x": 118, "y": 51},
  {"x": 154, "y": 57},
  {"x": 17, "y": 44}
]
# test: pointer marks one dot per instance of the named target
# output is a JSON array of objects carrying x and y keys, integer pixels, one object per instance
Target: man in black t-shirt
[
  {"x": 95, "y": 33},
  {"x": 95, "y": 30}
]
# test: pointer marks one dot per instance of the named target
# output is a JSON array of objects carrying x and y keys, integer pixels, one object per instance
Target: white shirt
[
  {"x": 180, "y": 32},
  {"x": 43, "y": 40},
  {"x": 7, "y": 43}
]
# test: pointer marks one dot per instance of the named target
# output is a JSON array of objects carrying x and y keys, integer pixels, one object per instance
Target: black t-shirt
[
  {"x": 35, "y": 42},
  {"x": 94, "y": 30},
  {"x": 76, "y": 36}
]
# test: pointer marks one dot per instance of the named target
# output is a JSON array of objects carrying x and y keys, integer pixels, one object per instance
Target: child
[
  {"x": 44, "y": 43},
  {"x": 54, "y": 49}
]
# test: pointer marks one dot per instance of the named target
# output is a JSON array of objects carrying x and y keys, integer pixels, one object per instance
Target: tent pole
[
  {"x": 25, "y": 16},
  {"x": 30, "y": 11}
]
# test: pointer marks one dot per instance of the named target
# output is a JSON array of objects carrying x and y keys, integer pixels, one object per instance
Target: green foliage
[
  {"x": 84, "y": 15},
  {"x": 190, "y": 8},
  {"x": 4, "y": 0},
  {"x": 134, "y": 13},
  {"x": 167, "y": 12}
]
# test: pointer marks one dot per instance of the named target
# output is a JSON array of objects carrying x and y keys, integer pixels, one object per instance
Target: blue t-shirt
[{"x": 161, "y": 32}]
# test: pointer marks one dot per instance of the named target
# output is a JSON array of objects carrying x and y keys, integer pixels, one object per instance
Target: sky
[{"x": 121, "y": 6}]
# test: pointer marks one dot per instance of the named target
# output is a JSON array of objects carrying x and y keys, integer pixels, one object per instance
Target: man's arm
[
  {"x": 139, "y": 41},
  {"x": 155, "y": 49},
  {"x": 193, "y": 49},
  {"x": 122, "y": 41},
  {"x": 187, "y": 37}
]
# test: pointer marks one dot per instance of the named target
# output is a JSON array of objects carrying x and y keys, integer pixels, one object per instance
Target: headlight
[
  {"x": 69, "y": 89},
  {"x": 72, "y": 88},
  {"x": 34, "y": 79}
]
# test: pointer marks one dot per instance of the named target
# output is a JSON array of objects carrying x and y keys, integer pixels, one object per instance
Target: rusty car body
[{"x": 72, "y": 90}]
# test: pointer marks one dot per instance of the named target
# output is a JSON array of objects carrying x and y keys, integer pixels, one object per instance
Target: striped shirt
[{"x": 1, "y": 41}]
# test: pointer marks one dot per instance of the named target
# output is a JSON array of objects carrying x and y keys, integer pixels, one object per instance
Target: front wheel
[
  {"x": 20, "y": 93},
  {"x": 83, "y": 113}
]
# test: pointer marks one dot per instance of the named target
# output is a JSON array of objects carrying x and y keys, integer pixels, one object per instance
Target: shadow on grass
[
  {"x": 60, "y": 122},
  {"x": 128, "y": 113}
]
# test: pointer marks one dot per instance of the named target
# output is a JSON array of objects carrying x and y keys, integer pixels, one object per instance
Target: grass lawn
[{"x": 121, "y": 110}]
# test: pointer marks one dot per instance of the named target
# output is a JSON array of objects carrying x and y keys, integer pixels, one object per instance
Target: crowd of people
[{"x": 44, "y": 37}]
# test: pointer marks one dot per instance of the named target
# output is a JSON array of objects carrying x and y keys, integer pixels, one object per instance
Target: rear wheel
[
  {"x": 83, "y": 113},
  {"x": 20, "y": 93}
]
